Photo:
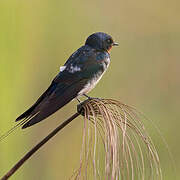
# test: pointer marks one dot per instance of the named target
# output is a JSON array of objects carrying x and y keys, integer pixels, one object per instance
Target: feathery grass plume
[{"x": 115, "y": 143}]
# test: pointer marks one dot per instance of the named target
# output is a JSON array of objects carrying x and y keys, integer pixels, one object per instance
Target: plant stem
[{"x": 38, "y": 146}]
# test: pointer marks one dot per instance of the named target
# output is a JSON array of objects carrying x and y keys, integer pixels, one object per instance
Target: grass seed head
[{"x": 115, "y": 143}]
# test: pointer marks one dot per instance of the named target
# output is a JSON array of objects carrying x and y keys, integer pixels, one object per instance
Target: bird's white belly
[{"x": 91, "y": 84}]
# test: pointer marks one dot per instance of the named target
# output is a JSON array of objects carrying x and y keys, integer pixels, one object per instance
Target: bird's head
[{"x": 101, "y": 41}]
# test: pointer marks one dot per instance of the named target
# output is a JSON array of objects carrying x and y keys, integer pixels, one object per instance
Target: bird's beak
[{"x": 115, "y": 44}]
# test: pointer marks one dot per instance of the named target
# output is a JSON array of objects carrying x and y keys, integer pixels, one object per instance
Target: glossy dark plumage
[{"x": 78, "y": 76}]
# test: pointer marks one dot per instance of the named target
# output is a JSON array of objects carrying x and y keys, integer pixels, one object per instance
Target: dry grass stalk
[{"x": 128, "y": 150}]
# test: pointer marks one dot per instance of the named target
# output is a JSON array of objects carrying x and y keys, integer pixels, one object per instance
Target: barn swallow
[{"x": 79, "y": 75}]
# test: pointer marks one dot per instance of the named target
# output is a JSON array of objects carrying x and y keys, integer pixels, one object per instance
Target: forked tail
[{"x": 10, "y": 131}]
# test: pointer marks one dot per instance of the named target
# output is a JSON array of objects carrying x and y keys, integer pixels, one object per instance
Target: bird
[{"x": 78, "y": 76}]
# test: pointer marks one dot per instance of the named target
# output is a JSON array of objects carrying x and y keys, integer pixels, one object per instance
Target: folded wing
[{"x": 62, "y": 90}]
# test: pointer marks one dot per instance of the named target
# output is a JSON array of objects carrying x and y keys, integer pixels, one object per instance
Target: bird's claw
[{"x": 90, "y": 98}]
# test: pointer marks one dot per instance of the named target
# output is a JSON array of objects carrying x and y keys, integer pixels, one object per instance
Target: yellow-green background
[{"x": 37, "y": 36}]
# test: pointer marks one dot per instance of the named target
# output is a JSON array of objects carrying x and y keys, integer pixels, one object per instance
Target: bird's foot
[
  {"x": 91, "y": 97},
  {"x": 79, "y": 100}
]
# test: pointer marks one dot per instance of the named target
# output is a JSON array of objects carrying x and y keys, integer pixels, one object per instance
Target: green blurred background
[{"x": 37, "y": 37}]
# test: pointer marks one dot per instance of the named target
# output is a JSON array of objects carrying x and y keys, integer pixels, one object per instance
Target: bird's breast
[{"x": 91, "y": 83}]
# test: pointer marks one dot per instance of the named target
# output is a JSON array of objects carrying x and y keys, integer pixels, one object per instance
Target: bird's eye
[{"x": 109, "y": 41}]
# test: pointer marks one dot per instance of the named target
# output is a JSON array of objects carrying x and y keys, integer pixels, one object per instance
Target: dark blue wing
[{"x": 63, "y": 89}]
